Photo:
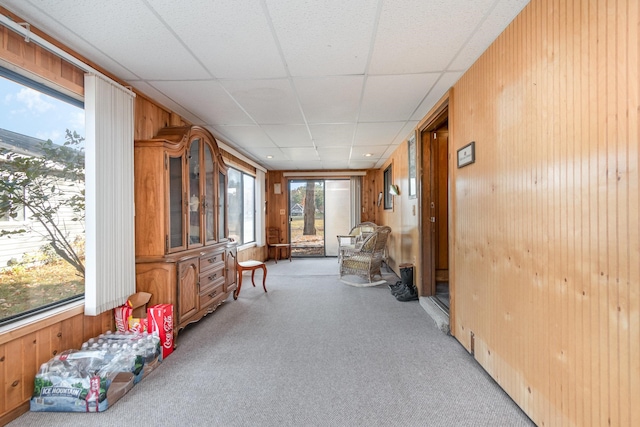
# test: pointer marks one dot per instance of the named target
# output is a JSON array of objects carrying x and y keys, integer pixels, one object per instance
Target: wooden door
[
  {"x": 440, "y": 206},
  {"x": 435, "y": 206}
]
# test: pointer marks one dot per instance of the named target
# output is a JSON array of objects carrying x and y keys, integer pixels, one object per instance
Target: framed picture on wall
[{"x": 413, "y": 183}]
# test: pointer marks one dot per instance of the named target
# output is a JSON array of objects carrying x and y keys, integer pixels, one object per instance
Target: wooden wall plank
[
  {"x": 633, "y": 227},
  {"x": 13, "y": 374},
  {"x": 30, "y": 364},
  {"x": 550, "y": 209},
  {"x": 3, "y": 378}
]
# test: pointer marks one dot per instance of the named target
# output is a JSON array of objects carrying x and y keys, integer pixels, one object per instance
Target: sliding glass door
[
  {"x": 337, "y": 203},
  {"x": 306, "y": 217},
  {"x": 319, "y": 210}
]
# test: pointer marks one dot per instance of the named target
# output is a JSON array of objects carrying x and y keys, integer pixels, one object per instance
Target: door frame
[
  {"x": 290, "y": 216},
  {"x": 428, "y": 241}
]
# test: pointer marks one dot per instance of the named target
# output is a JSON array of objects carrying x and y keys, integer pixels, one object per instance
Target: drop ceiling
[{"x": 290, "y": 84}]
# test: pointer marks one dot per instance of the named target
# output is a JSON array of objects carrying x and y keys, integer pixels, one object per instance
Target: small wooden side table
[{"x": 252, "y": 265}]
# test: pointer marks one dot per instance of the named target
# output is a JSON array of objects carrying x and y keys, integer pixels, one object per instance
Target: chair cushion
[{"x": 369, "y": 244}]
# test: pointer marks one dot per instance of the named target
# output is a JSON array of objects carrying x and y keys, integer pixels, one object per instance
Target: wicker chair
[
  {"x": 365, "y": 261},
  {"x": 356, "y": 236}
]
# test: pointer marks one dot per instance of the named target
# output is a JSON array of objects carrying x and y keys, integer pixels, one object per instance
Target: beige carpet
[{"x": 310, "y": 352}]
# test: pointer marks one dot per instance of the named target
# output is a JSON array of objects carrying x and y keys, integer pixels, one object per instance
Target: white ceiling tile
[
  {"x": 405, "y": 44},
  {"x": 389, "y": 151},
  {"x": 301, "y": 154},
  {"x": 407, "y": 130},
  {"x": 231, "y": 38},
  {"x": 332, "y": 135},
  {"x": 358, "y": 152},
  {"x": 394, "y": 97},
  {"x": 149, "y": 49},
  {"x": 377, "y": 133},
  {"x": 289, "y": 135},
  {"x": 266, "y": 101},
  {"x": 153, "y": 93},
  {"x": 446, "y": 81},
  {"x": 335, "y": 164},
  {"x": 208, "y": 100},
  {"x": 504, "y": 12},
  {"x": 331, "y": 38},
  {"x": 267, "y": 72},
  {"x": 361, "y": 164},
  {"x": 307, "y": 165},
  {"x": 38, "y": 18},
  {"x": 330, "y": 99},
  {"x": 335, "y": 153},
  {"x": 247, "y": 137},
  {"x": 280, "y": 165},
  {"x": 260, "y": 154}
]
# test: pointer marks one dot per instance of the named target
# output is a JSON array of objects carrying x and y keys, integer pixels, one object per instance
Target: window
[
  {"x": 242, "y": 206},
  {"x": 41, "y": 197},
  {"x": 388, "y": 198}
]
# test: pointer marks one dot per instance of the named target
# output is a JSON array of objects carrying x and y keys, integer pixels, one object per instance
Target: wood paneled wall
[
  {"x": 372, "y": 184},
  {"x": 277, "y": 212},
  {"x": 545, "y": 233},
  {"x": 39, "y": 61},
  {"x": 404, "y": 240},
  {"x": 24, "y": 349}
]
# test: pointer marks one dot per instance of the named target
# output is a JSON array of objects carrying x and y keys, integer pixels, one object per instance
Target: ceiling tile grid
[
  {"x": 330, "y": 38},
  {"x": 218, "y": 30},
  {"x": 290, "y": 84}
]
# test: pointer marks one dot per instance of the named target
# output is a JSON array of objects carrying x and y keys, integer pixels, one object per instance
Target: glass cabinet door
[
  {"x": 194, "y": 194},
  {"x": 209, "y": 195},
  {"x": 175, "y": 239},
  {"x": 222, "y": 206}
]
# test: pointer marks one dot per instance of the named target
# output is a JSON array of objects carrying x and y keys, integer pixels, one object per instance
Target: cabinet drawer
[
  {"x": 212, "y": 295},
  {"x": 212, "y": 260},
  {"x": 212, "y": 277}
]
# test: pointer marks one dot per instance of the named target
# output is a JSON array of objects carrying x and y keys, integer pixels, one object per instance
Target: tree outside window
[
  {"x": 241, "y": 194},
  {"x": 41, "y": 198}
]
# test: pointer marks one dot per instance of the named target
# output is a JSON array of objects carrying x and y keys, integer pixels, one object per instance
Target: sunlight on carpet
[{"x": 361, "y": 282}]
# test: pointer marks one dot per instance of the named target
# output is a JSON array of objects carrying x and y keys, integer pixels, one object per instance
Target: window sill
[
  {"x": 41, "y": 320},
  {"x": 247, "y": 246}
]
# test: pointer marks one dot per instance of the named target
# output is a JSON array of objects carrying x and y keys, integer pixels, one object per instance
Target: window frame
[
  {"x": 240, "y": 196},
  {"x": 54, "y": 91}
]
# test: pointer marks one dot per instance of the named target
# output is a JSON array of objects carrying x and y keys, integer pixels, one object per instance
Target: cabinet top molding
[{"x": 180, "y": 136}]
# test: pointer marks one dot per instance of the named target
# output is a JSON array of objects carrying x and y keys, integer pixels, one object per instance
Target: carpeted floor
[{"x": 312, "y": 351}]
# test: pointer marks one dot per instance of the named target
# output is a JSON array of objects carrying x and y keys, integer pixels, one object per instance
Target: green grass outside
[{"x": 23, "y": 288}]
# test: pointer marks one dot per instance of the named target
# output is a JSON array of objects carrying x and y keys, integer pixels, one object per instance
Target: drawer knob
[
  {"x": 213, "y": 276},
  {"x": 213, "y": 294},
  {"x": 212, "y": 260}
]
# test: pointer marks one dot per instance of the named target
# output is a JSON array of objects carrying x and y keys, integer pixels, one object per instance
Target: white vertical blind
[
  {"x": 356, "y": 200},
  {"x": 110, "y": 251},
  {"x": 260, "y": 208}
]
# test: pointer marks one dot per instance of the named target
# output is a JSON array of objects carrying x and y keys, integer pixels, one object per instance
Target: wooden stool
[{"x": 253, "y": 266}]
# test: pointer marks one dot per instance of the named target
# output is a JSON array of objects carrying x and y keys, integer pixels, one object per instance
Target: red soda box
[
  {"x": 160, "y": 322},
  {"x": 138, "y": 325},
  {"x": 122, "y": 315}
]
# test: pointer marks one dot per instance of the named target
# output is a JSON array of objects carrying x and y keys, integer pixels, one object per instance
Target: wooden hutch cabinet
[{"x": 183, "y": 253}]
